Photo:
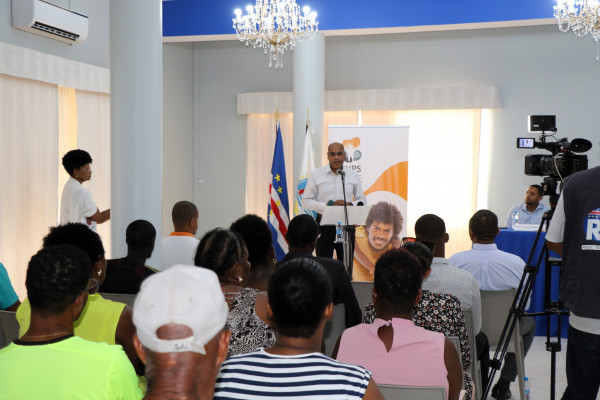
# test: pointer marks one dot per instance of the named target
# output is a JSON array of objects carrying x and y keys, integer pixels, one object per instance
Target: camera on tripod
[{"x": 563, "y": 161}]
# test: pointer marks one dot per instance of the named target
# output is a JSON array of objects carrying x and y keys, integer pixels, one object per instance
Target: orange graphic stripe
[{"x": 394, "y": 180}]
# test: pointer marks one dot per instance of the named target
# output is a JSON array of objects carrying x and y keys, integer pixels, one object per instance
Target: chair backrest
[
  {"x": 334, "y": 328},
  {"x": 393, "y": 392},
  {"x": 495, "y": 305},
  {"x": 363, "y": 292},
  {"x": 9, "y": 327},
  {"x": 128, "y": 299},
  {"x": 456, "y": 342}
]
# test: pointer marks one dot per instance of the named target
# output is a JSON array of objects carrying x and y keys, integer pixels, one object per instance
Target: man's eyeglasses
[{"x": 430, "y": 245}]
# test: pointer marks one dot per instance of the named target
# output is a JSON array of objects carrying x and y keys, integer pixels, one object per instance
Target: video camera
[{"x": 563, "y": 161}]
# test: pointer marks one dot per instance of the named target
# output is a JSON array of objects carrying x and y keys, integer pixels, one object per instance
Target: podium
[{"x": 357, "y": 215}]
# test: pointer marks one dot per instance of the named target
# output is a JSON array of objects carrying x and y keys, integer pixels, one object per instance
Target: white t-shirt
[
  {"x": 77, "y": 204},
  {"x": 178, "y": 250}
]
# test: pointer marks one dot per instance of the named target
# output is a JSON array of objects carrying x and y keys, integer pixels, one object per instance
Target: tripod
[{"x": 517, "y": 309}]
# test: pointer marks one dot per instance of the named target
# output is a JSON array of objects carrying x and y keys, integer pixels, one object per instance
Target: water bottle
[
  {"x": 339, "y": 236},
  {"x": 527, "y": 386},
  {"x": 515, "y": 219}
]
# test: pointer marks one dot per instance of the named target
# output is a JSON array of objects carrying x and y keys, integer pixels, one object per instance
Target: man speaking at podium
[{"x": 324, "y": 188}]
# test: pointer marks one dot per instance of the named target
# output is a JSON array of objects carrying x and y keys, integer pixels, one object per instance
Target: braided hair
[{"x": 219, "y": 250}]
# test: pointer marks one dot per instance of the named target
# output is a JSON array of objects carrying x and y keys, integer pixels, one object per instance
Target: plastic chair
[
  {"x": 128, "y": 299},
  {"x": 475, "y": 369},
  {"x": 334, "y": 328},
  {"x": 393, "y": 392},
  {"x": 495, "y": 306},
  {"x": 9, "y": 327},
  {"x": 363, "y": 292}
]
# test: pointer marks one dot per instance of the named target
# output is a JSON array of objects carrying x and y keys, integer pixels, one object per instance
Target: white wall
[{"x": 538, "y": 70}]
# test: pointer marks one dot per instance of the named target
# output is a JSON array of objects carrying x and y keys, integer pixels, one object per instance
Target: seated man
[
  {"x": 299, "y": 306},
  {"x": 48, "y": 362},
  {"x": 379, "y": 235},
  {"x": 125, "y": 275},
  {"x": 495, "y": 270},
  {"x": 180, "y": 246},
  {"x": 302, "y": 238},
  {"x": 532, "y": 210},
  {"x": 9, "y": 300},
  {"x": 180, "y": 315}
]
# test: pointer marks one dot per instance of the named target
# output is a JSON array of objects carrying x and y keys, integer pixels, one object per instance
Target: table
[{"x": 520, "y": 244}]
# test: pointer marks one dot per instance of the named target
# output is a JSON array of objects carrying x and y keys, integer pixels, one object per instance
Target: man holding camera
[{"x": 575, "y": 234}]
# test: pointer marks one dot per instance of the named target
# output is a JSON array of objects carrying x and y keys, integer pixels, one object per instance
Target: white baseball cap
[{"x": 182, "y": 295}]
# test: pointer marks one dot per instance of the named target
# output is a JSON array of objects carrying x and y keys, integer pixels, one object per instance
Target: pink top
[{"x": 416, "y": 357}]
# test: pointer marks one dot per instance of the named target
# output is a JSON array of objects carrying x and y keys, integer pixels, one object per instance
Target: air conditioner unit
[{"x": 50, "y": 20}]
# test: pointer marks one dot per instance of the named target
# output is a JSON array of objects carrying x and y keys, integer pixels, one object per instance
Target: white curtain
[
  {"x": 443, "y": 163},
  {"x": 93, "y": 136},
  {"x": 28, "y": 171}
]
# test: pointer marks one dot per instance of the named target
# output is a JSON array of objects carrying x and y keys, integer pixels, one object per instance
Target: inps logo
[{"x": 592, "y": 225}]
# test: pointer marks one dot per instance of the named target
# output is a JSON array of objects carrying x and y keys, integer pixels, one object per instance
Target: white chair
[
  {"x": 393, "y": 392},
  {"x": 128, "y": 299},
  {"x": 9, "y": 327},
  {"x": 495, "y": 306},
  {"x": 334, "y": 328},
  {"x": 475, "y": 370},
  {"x": 363, "y": 292}
]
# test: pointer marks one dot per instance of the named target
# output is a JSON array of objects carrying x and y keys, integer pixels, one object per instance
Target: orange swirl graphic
[{"x": 394, "y": 180}]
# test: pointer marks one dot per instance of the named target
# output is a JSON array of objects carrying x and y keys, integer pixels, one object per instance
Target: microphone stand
[{"x": 346, "y": 245}]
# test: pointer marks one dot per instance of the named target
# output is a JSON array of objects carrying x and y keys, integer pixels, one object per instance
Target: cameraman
[{"x": 575, "y": 235}]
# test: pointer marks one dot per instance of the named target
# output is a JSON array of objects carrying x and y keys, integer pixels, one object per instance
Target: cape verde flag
[
  {"x": 278, "y": 211},
  {"x": 307, "y": 165}
]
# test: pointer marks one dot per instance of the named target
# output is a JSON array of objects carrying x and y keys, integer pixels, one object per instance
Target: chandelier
[
  {"x": 276, "y": 26},
  {"x": 580, "y": 16}
]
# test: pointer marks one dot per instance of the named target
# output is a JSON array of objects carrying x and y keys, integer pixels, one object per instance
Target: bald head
[
  {"x": 185, "y": 217},
  {"x": 336, "y": 156}
]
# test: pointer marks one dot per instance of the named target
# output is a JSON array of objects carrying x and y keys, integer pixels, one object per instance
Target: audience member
[
  {"x": 495, "y": 270},
  {"x": 9, "y": 300},
  {"x": 380, "y": 234},
  {"x": 101, "y": 320},
  {"x": 302, "y": 237},
  {"x": 180, "y": 246},
  {"x": 299, "y": 306},
  {"x": 125, "y": 275},
  {"x": 224, "y": 252},
  {"x": 532, "y": 210},
  {"x": 410, "y": 355},
  {"x": 261, "y": 254},
  {"x": 180, "y": 315},
  {"x": 48, "y": 362},
  {"x": 437, "y": 312},
  {"x": 76, "y": 202}
]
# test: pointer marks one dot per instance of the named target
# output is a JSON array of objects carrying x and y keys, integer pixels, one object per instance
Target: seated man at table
[
  {"x": 532, "y": 210},
  {"x": 494, "y": 269}
]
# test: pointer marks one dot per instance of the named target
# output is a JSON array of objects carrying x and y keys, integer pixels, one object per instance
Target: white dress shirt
[
  {"x": 525, "y": 216},
  {"x": 324, "y": 185}
]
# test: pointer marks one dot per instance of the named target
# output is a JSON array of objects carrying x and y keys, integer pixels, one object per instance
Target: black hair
[
  {"x": 55, "y": 276},
  {"x": 540, "y": 190},
  {"x": 219, "y": 250},
  {"x": 299, "y": 291},
  {"x": 422, "y": 253},
  {"x": 302, "y": 231},
  {"x": 77, "y": 235},
  {"x": 75, "y": 159},
  {"x": 484, "y": 224},
  {"x": 256, "y": 234},
  {"x": 140, "y": 234},
  {"x": 398, "y": 278},
  {"x": 183, "y": 211},
  {"x": 386, "y": 213},
  {"x": 430, "y": 227}
]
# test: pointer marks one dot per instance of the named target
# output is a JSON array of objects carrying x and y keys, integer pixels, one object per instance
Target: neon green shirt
[
  {"x": 66, "y": 368},
  {"x": 97, "y": 322}
]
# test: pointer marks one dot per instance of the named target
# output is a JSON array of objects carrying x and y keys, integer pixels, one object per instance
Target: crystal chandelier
[
  {"x": 276, "y": 26},
  {"x": 580, "y": 16}
]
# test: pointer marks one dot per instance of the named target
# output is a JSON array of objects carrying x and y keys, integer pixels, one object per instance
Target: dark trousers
[
  {"x": 482, "y": 346},
  {"x": 509, "y": 369},
  {"x": 583, "y": 365}
]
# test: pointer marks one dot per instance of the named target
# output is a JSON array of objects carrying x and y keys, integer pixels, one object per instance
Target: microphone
[{"x": 340, "y": 172}]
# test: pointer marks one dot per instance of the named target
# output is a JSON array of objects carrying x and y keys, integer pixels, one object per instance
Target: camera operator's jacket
[{"x": 580, "y": 280}]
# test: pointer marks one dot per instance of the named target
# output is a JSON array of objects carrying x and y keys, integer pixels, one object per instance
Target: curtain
[
  {"x": 93, "y": 136},
  {"x": 28, "y": 171}
]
